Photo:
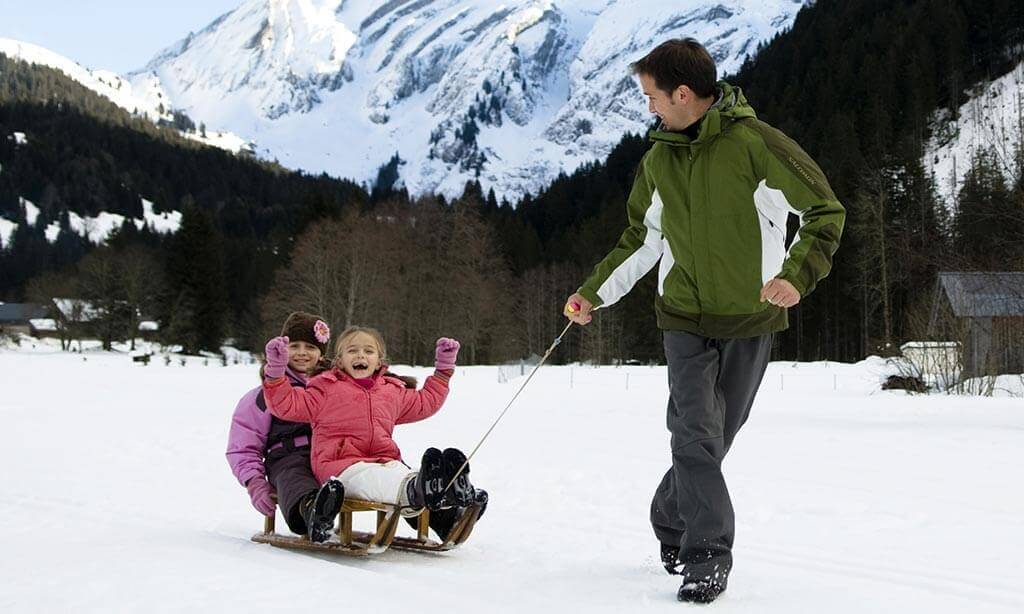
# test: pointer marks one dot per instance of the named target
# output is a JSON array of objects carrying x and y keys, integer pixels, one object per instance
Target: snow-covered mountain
[
  {"x": 991, "y": 120},
  {"x": 508, "y": 91},
  {"x": 141, "y": 97}
]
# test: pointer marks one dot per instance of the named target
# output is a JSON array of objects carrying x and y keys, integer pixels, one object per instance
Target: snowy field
[{"x": 116, "y": 497}]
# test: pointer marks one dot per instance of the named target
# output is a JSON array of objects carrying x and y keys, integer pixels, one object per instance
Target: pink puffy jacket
[{"x": 351, "y": 423}]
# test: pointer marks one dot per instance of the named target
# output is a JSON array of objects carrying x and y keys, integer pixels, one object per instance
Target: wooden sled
[{"x": 361, "y": 543}]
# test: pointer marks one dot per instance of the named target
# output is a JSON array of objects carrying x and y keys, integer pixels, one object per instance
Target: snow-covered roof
[
  {"x": 77, "y": 310},
  {"x": 913, "y": 345},
  {"x": 148, "y": 325},
  {"x": 47, "y": 324},
  {"x": 984, "y": 294}
]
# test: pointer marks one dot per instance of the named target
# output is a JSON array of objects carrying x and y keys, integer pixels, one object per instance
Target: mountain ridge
[{"x": 509, "y": 93}]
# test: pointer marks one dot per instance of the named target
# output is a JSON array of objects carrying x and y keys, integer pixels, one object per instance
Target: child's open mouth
[{"x": 360, "y": 367}]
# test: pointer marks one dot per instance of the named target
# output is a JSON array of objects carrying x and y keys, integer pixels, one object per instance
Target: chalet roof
[
  {"x": 984, "y": 294},
  {"x": 21, "y": 312}
]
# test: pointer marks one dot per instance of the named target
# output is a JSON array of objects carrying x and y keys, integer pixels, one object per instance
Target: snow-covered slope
[
  {"x": 991, "y": 120},
  {"x": 140, "y": 96},
  {"x": 96, "y": 229},
  {"x": 116, "y": 497},
  {"x": 510, "y": 91}
]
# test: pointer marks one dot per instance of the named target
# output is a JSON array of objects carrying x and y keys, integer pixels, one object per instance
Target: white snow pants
[{"x": 382, "y": 482}]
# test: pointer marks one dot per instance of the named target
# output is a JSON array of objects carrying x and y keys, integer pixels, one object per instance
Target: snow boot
[
  {"x": 699, "y": 591},
  {"x": 427, "y": 489},
  {"x": 461, "y": 492},
  {"x": 670, "y": 559},
  {"x": 481, "y": 498},
  {"x": 443, "y": 520},
  {"x": 320, "y": 511},
  {"x": 705, "y": 575}
]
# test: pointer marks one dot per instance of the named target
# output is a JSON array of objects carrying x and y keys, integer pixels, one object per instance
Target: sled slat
[
  {"x": 361, "y": 543},
  {"x": 345, "y": 528},
  {"x": 423, "y": 527}
]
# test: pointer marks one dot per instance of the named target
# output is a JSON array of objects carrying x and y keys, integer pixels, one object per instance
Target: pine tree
[
  {"x": 196, "y": 283},
  {"x": 985, "y": 232}
]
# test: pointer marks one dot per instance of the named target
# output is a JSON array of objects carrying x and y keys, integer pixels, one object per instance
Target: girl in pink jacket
[{"x": 353, "y": 409}]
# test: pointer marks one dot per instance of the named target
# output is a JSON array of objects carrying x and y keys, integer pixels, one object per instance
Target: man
[{"x": 710, "y": 203}]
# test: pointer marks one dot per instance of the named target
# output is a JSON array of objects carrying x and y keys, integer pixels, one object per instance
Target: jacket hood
[{"x": 731, "y": 105}]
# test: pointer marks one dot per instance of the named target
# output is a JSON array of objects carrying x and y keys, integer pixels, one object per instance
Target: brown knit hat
[{"x": 302, "y": 326}]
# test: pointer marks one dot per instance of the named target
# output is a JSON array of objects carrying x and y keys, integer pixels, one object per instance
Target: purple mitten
[
  {"x": 261, "y": 495},
  {"x": 277, "y": 357},
  {"x": 444, "y": 355}
]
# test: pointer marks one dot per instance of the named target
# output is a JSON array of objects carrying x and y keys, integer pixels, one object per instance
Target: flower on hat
[{"x": 321, "y": 331}]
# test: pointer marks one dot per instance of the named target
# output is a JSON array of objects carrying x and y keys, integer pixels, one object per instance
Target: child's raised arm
[
  {"x": 284, "y": 400},
  {"x": 420, "y": 404}
]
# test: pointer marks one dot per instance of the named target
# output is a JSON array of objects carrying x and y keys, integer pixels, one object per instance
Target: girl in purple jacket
[{"x": 268, "y": 454}]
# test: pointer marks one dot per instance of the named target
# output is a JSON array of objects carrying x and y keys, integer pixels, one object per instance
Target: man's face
[{"x": 669, "y": 107}]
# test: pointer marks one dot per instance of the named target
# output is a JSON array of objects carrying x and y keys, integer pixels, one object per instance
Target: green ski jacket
[{"x": 712, "y": 211}]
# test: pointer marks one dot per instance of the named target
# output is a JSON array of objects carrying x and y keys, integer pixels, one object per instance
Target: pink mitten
[
  {"x": 260, "y": 493},
  {"x": 277, "y": 357},
  {"x": 445, "y": 354}
]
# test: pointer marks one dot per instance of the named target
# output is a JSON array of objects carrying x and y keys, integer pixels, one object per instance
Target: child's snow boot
[
  {"x": 427, "y": 489},
  {"x": 462, "y": 491},
  {"x": 321, "y": 510},
  {"x": 480, "y": 498},
  {"x": 443, "y": 520}
]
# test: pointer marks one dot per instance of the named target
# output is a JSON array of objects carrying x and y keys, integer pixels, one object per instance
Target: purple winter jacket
[{"x": 251, "y": 425}]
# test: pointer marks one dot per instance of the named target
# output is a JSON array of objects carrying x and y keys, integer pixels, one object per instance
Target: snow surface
[
  {"x": 31, "y": 211},
  {"x": 99, "y": 227},
  {"x": 96, "y": 228},
  {"x": 7, "y": 229},
  {"x": 116, "y": 496},
  {"x": 164, "y": 223},
  {"x": 992, "y": 119}
]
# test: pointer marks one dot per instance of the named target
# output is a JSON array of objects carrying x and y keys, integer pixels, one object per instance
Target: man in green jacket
[{"x": 709, "y": 206}]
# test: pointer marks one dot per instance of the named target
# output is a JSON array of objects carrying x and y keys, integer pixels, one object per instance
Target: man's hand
[
  {"x": 780, "y": 293},
  {"x": 578, "y": 309}
]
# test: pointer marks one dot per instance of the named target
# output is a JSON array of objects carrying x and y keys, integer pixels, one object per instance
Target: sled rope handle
[{"x": 554, "y": 344}]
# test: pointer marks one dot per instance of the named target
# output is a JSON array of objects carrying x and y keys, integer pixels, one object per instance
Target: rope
[{"x": 514, "y": 397}]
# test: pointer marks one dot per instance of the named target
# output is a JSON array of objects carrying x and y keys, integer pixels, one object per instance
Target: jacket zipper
[{"x": 369, "y": 417}]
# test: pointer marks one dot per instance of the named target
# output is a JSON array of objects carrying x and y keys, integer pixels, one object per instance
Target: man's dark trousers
[{"x": 712, "y": 384}]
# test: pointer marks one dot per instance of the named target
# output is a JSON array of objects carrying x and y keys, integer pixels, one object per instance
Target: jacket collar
[
  {"x": 337, "y": 375},
  {"x": 730, "y": 106},
  {"x": 294, "y": 377}
]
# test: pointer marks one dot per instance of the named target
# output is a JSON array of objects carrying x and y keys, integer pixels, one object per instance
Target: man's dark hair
[{"x": 679, "y": 61}]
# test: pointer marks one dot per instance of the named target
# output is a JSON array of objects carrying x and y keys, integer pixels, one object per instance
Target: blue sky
[{"x": 118, "y": 35}]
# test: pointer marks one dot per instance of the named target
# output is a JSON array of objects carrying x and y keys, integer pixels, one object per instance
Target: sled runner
[{"x": 360, "y": 543}]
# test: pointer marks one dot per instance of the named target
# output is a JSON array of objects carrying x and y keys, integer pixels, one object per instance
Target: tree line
[{"x": 857, "y": 83}]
